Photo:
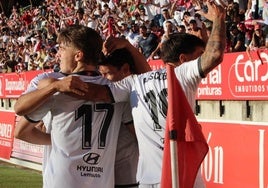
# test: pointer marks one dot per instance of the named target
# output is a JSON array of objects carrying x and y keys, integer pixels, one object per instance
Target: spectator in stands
[
  {"x": 258, "y": 41},
  {"x": 150, "y": 7},
  {"x": 28, "y": 50},
  {"x": 121, "y": 29},
  {"x": 186, "y": 19},
  {"x": 154, "y": 28},
  {"x": 265, "y": 17},
  {"x": 20, "y": 67},
  {"x": 164, "y": 4},
  {"x": 237, "y": 39},
  {"x": 255, "y": 8},
  {"x": 197, "y": 31},
  {"x": 247, "y": 30},
  {"x": 133, "y": 35},
  {"x": 33, "y": 64},
  {"x": 201, "y": 24},
  {"x": 50, "y": 60},
  {"x": 169, "y": 30},
  {"x": 148, "y": 41},
  {"x": 3, "y": 59},
  {"x": 41, "y": 55},
  {"x": 79, "y": 19},
  {"x": 181, "y": 29},
  {"x": 233, "y": 13},
  {"x": 166, "y": 16},
  {"x": 11, "y": 63}
]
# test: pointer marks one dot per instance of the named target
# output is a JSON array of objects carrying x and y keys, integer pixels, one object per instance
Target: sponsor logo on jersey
[
  {"x": 92, "y": 158},
  {"x": 91, "y": 171}
]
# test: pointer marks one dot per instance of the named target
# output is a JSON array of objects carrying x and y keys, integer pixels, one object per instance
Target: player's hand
[
  {"x": 71, "y": 84},
  {"x": 214, "y": 11},
  {"x": 111, "y": 44}
]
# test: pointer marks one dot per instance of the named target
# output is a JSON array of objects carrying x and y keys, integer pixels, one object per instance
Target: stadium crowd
[{"x": 28, "y": 35}]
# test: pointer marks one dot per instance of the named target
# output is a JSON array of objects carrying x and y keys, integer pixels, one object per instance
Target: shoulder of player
[{"x": 49, "y": 75}]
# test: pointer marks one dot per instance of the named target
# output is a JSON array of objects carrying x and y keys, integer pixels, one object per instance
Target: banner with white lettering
[
  {"x": 236, "y": 78},
  {"x": 7, "y": 122},
  {"x": 16, "y": 83},
  {"x": 238, "y": 155}
]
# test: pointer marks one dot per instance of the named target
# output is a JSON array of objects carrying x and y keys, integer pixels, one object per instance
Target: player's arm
[
  {"x": 98, "y": 93},
  {"x": 28, "y": 131},
  {"x": 214, "y": 52},
  {"x": 112, "y": 43},
  {"x": 27, "y": 103}
]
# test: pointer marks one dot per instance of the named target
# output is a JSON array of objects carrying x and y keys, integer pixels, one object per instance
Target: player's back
[{"x": 84, "y": 137}]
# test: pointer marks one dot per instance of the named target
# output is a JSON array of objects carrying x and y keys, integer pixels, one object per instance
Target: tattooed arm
[{"x": 213, "y": 54}]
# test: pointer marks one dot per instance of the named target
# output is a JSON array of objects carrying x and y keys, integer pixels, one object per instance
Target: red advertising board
[
  {"x": 13, "y": 84},
  {"x": 7, "y": 122},
  {"x": 10, "y": 147},
  {"x": 238, "y": 155},
  {"x": 236, "y": 78}
]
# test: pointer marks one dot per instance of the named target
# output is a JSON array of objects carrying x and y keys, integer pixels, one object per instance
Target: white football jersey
[
  {"x": 84, "y": 139},
  {"x": 148, "y": 98},
  {"x": 34, "y": 82},
  {"x": 48, "y": 118}
]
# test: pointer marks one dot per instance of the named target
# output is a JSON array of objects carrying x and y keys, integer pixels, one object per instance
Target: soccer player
[
  {"x": 147, "y": 92},
  {"x": 116, "y": 66},
  {"x": 84, "y": 134}
]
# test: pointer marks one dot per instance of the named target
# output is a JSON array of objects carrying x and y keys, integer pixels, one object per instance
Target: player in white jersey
[
  {"x": 84, "y": 134},
  {"x": 35, "y": 98},
  {"x": 84, "y": 137},
  {"x": 115, "y": 67},
  {"x": 148, "y": 97},
  {"x": 148, "y": 92}
]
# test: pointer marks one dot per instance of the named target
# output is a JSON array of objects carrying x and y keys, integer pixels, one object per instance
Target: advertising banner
[
  {"x": 236, "y": 78},
  {"x": 238, "y": 155},
  {"x": 7, "y": 122},
  {"x": 14, "y": 84}
]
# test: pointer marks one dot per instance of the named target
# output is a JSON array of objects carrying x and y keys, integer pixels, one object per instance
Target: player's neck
[{"x": 83, "y": 67}]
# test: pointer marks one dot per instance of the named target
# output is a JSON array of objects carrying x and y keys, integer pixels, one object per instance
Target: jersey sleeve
[
  {"x": 34, "y": 82},
  {"x": 189, "y": 74},
  {"x": 121, "y": 90},
  {"x": 189, "y": 77},
  {"x": 38, "y": 114}
]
